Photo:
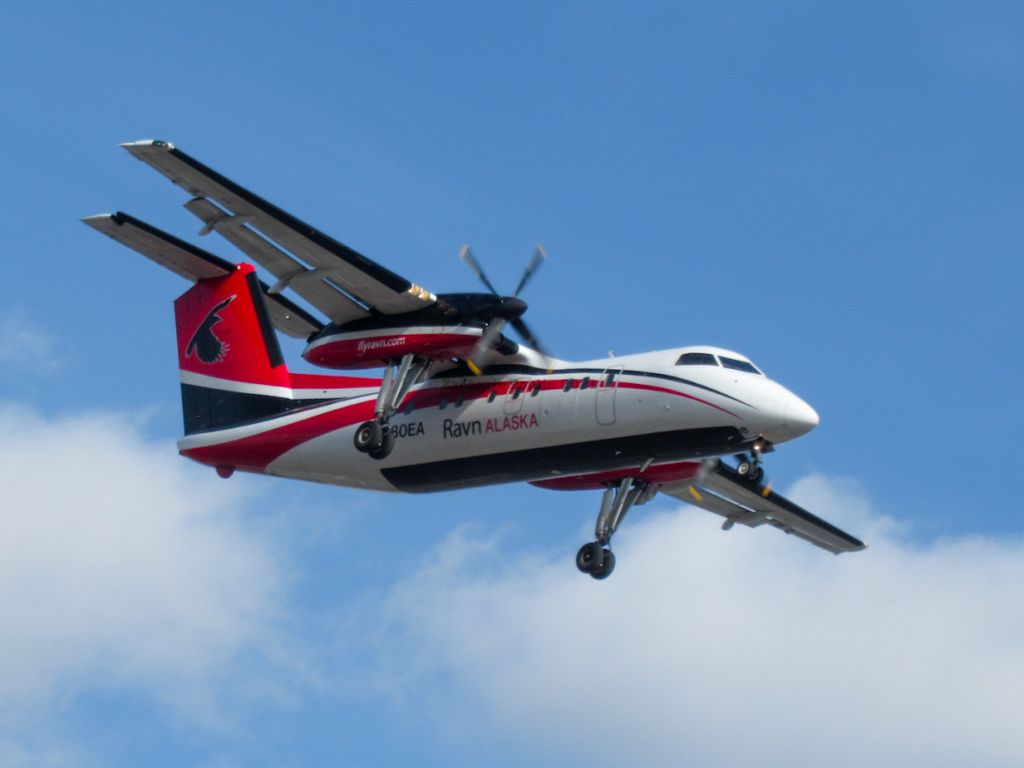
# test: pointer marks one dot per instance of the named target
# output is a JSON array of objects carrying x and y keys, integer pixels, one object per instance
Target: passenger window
[
  {"x": 585, "y": 383},
  {"x": 696, "y": 358},
  {"x": 459, "y": 401},
  {"x": 490, "y": 397},
  {"x": 567, "y": 386},
  {"x": 535, "y": 390}
]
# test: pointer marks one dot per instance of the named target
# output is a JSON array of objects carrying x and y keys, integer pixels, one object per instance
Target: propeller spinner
[{"x": 509, "y": 310}]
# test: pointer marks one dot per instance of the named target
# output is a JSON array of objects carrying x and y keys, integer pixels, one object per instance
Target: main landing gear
[
  {"x": 597, "y": 558},
  {"x": 375, "y": 437}
]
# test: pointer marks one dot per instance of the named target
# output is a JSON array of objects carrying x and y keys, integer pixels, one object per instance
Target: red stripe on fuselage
[
  {"x": 255, "y": 452},
  {"x": 320, "y": 381}
]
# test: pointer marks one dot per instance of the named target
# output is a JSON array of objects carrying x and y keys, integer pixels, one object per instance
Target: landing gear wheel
[
  {"x": 755, "y": 474},
  {"x": 604, "y": 570},
  {"x": 387, "y": 442},
  {"x": 369, "y": 436},
  {"x": 744, "y": 468},
  {"x": 591, "y": 557}
]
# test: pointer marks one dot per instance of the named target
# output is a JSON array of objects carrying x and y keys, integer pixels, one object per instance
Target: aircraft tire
[
  {"x": 387, "y": 443},
  {"x": 590, "y": 557},
  {"x": 369, "y": 435},
  {"x": 606, "y": 567}
]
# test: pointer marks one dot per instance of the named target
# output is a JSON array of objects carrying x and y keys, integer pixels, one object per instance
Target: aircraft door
[
  {"x": 514, "y": 398},
  {"x": 604, "y": 395},
  {"x": 558, "y": 406}
]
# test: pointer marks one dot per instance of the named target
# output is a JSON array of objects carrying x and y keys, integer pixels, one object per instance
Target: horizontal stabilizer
[
  {"x": 193, "y": 263},
  {"x": 166, "y": 250}
]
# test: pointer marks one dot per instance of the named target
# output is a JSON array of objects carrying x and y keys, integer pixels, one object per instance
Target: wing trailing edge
[{"x": 240, "y": 210}]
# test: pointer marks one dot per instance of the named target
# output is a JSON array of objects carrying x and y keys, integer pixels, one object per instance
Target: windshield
[
  {"x": 738, "y": 365},
  {"x": 696, "y": 358}
]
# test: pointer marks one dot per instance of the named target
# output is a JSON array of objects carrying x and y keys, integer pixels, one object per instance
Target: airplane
[{"x": 459, "y": 404}]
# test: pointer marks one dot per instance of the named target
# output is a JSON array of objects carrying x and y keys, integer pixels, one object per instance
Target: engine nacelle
[{"x": 373, "y": 347}]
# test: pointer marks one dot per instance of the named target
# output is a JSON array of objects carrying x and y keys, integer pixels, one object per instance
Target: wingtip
[
  {"x": 102, "y": 221},
  {"x": 97, "y": 220},
  {"x": 146, "y": 144}
]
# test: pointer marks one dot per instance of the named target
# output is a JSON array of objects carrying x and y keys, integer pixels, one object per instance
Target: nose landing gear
[
  {"x": 596, "y": 558},
  {"x": 749, "y": 467}
]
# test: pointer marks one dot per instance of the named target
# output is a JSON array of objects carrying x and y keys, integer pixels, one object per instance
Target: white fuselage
[{"x": 524, "y": 422}]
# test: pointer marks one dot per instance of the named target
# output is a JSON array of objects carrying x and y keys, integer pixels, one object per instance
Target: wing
[
  {"x": 724, "y": 492},
  {"x": 196, "y": 264},
  {"x": 341, "y": 283}
]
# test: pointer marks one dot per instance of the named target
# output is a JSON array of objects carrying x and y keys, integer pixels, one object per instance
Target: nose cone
[{"x": 799, "y": 417}]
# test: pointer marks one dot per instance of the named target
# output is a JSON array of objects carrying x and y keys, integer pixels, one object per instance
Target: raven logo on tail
[{"x": 204, "y": 342}]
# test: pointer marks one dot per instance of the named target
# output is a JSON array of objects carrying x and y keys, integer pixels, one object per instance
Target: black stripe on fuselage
[
  {"x": 564, "y": 460},
  {"x": 208, "y": 409},
  {"x": 529, "y": 370}
]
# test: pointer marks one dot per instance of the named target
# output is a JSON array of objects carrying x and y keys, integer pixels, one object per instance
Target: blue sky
[{"x": 833, "y": 189}]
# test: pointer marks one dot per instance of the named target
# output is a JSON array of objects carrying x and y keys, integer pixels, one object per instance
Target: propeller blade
[
  {"x": 528, "y": 336},
  {"x": 483, "y": 346},
  {"x": 467, "y": 256},
  {"x": 539, "y": 254}
]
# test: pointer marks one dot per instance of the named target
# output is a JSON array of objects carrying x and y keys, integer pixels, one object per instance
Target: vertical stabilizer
[{"x": 232, "y": 371}]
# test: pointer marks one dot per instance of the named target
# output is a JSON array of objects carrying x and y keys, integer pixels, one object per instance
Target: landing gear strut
[
  {"x": 375, "y": 437},
  {"x": 596, "y": 557},
  {"x": 749, "y": 467}
]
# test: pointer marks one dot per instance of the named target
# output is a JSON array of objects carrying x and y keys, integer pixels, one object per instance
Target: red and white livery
[{"x": 458, "y": 404}]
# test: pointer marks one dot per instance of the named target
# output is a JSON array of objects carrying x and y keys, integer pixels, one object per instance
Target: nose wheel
[
  {"x": 750, "y": 470},
  {"x": 596, "y": 558},
  {"x": 749, "y": 466}
]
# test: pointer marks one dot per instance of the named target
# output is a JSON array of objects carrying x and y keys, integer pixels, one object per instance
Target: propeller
[
  {"x": 509, "y": 310},
  {"x": 467, "y": 256}
]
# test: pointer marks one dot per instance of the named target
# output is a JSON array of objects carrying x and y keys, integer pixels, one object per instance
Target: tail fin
[{"x": 232, "y": 370}]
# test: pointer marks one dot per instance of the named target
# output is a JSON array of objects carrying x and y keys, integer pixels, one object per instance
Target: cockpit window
[
  {"x": 696, "y": 358},
  {"x": 738, "y": 365}
]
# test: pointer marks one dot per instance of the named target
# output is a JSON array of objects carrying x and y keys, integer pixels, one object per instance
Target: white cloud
[
  {"x": 123, "y": 568},
  {"x": 715, "y": 649},
  {"x": 21, "y": 343}
]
